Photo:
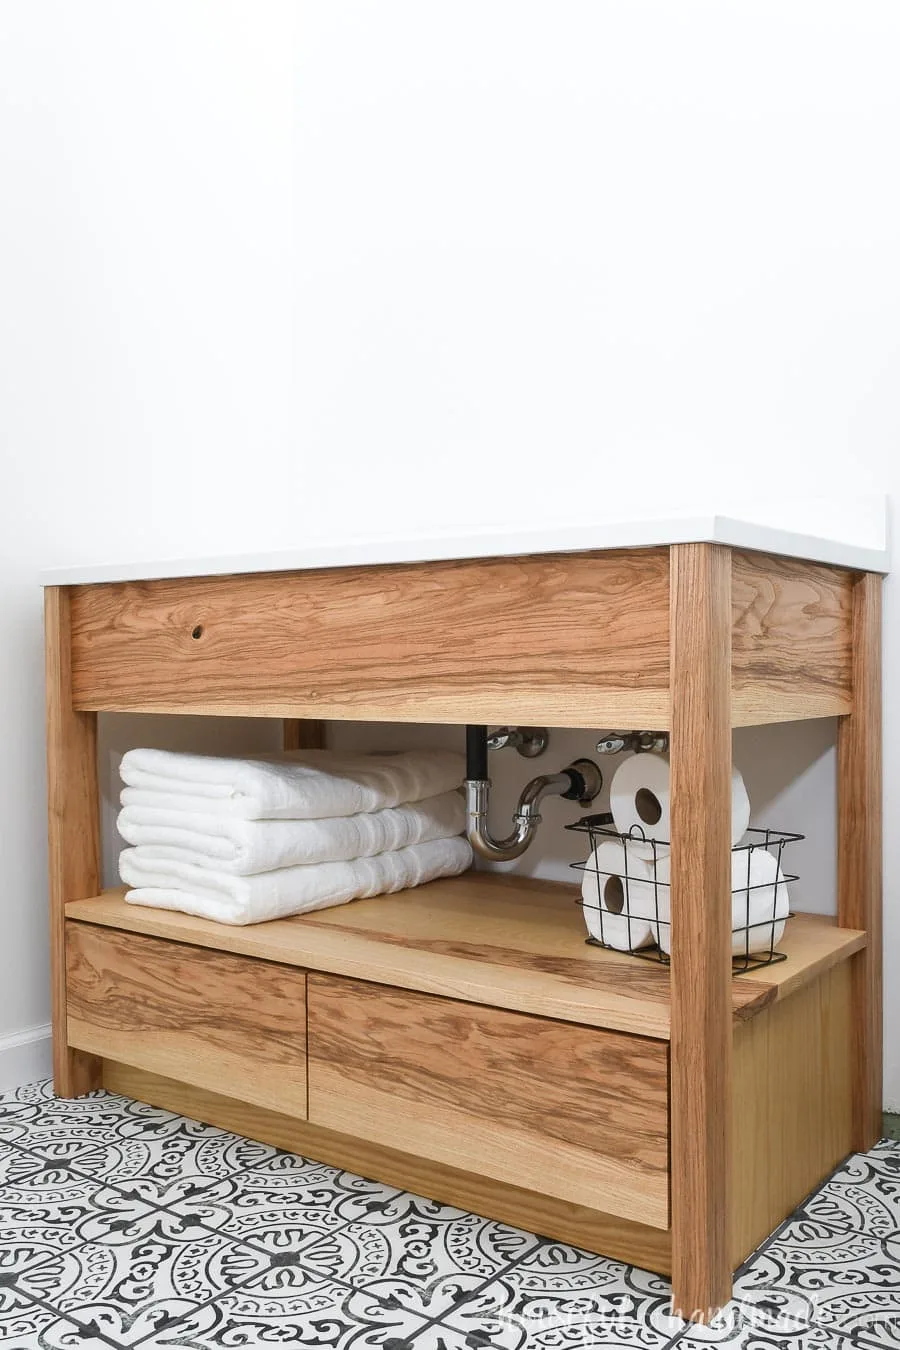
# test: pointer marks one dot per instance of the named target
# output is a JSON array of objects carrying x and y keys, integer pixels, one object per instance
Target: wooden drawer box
[
  {"x": 571, "y": 1111},
  {"x": 203, "y": 1017}
]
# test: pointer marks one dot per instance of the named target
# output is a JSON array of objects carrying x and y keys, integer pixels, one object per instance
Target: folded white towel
[
  {"x": 306, "y": 785},
  {"x": 242, "y": 847},
  {"x": 225, "y": 898}
]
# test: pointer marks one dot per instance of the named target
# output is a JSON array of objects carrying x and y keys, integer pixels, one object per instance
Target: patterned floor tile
[
  {"x": 20, "y": 1107},
  {"x": 747, "y": 1336},
  {"x": 559, "y": 1296},
  {"x": 736, "y": 1321},
  {"x": 288, "y": 1308},
  {"x": 128, "y": 1289},
  {"x": 835, "y": 1279},
  {"x": 16, "y": 1165},
  {"x": 429, "y": 1261},
  {"x": 282, "y": 1203},
  {"x": 26, "y": 1326},
  {"x": 261, "y": 1247},
  {"x": 46, "y": 1210},
  {"x": 864, "y": 1195},
  {"x": 152, "y": 1155}
]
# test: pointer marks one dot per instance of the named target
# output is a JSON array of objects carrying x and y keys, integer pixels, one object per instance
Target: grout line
[
  {"x": 73, "y": 1315},
  {"x": 256, "y": 1247},
  {"x": 322, "y": 1276},
  {"x": 799, "y": 1213},
  {"x": 68, "y": 1317},
  {"x": 238, "y": 1241},
  {"x": 677, "y": 1337},
  {"x": 314, "y": 1236},
  {"x": 473, "y": 1293}
]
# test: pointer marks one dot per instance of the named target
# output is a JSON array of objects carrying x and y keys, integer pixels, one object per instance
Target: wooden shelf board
[{"x": 510, "y": 942}]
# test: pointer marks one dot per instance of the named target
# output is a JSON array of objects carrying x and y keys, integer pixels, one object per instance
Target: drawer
[
  {"x": 226, "y": 1023},
  {"x": 570, "y": 1111}
]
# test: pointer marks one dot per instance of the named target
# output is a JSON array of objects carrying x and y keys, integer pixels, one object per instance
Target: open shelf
[{"x": 507, "y": 941}]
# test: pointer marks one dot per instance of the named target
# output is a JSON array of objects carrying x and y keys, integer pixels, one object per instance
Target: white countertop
[{"x": 850, "y": 532}]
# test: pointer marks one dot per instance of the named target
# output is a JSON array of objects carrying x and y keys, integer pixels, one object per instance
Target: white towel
[
  {"x": 242, "y": 847},
  {"x": 306, "y": 785},
  {"x": 290, "y": 890}
]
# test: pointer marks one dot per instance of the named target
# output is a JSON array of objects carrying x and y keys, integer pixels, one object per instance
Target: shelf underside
[{"x": 507, "y": 941}]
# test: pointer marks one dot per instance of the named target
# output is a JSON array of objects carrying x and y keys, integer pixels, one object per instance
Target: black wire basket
[{"x": 616, "y": 889}]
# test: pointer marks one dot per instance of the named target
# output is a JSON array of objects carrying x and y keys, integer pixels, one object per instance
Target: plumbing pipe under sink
[{"x": 580, "y": 781}]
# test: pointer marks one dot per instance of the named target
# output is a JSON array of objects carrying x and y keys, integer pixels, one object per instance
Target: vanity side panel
[
  {"x": 794, "y": 1103},
  {"x": 567, "y": 640},
  {"x": 791, "y": 639}
]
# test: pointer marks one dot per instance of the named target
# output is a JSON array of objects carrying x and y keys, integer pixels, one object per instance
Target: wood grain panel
[
  {"x": 701, "y": 974},
  {"x": 576, "y": 1112},
  {"x": 73, "y": 810},
  {"x": 622, "y": 1239},
  {"x": 200, "y": 1016},
  {"x": 860, "y": 852},
  {"x": 298, "y": 734},
  {"x": 509, "y": 941},
  {"x": 573, "y": 640},
  {"x": 791, "y": 623},
  {"x": 812, "y": 944},
  {"x": 793, "y": 1104}
]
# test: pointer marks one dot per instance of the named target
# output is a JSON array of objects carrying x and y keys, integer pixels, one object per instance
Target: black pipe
[{"x": 476, "y": 752}]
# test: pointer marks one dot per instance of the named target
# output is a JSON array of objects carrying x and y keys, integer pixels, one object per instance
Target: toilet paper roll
[
  {"x": 639, "y": 799},
  {"x": 759, "y": 900},
  {"x": 618, "y": 894}
]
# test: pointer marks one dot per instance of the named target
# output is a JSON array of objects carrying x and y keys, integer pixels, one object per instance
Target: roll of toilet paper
[
  {"x": 639, "y": 799},
  {"x": 759, "y": 902},
  {"x": 618, "y": 895}
]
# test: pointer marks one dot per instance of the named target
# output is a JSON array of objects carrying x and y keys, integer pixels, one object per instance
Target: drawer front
[
  {"x": 227, "y": 1023},
  {"x": 566, "y": 1110},
  {"x": 557, "y": 639}
]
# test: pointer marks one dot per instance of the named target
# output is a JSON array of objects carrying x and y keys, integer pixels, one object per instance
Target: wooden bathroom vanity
[{"x": 461, "y": 1040}]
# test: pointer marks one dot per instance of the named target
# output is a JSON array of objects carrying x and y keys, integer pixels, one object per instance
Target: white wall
[{"x": 276, "y": 271}]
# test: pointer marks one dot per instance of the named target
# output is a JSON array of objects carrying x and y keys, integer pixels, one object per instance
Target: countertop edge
[{"x": 723, "y": 529}]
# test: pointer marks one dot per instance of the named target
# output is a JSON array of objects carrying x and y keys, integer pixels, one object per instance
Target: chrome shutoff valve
[{"x": 640, "y": 742}]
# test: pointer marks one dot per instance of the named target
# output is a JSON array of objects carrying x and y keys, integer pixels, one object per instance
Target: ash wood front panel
[
  {"x": 572, "y": 640},
  {"x": 794, "y": 1102},
  {"x": 791, "y": 639},
  {"x": 578, "y": 1113},
  {"x": 204, "y": 1017}
]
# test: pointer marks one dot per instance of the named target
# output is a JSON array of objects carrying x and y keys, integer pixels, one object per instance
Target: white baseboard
[{"x": 25, "y": 1056}]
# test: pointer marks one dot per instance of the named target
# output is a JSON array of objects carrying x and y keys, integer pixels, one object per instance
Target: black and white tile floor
[{"x": 122, "y": 1225}]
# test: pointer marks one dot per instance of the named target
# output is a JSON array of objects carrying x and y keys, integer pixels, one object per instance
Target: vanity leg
[
  {"x": 860, "y": 853},
  {"x": 701, "y": 1017},
  {"x": 73, "y": 830}
]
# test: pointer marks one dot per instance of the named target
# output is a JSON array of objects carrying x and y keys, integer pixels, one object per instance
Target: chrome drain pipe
[{"x": 581, "y": 781}]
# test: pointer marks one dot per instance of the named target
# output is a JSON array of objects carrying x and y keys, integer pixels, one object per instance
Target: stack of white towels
[
  {"x": 245, "y": 840},
  {"x": 626, "y": 883}
]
